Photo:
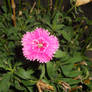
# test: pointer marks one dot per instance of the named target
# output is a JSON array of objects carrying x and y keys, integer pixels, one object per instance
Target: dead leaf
[
  {"x": 74, "y": 89},
  {"x": 65, "y": 86},
  {"x": 82, "y": 2},
  {"x": 43, "y": 86}
]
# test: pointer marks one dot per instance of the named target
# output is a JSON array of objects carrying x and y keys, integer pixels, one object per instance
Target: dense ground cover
[{"x": 68, "y": 71}]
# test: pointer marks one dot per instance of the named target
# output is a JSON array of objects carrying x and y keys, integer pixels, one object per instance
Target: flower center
[{"x": 40, "y": 45}]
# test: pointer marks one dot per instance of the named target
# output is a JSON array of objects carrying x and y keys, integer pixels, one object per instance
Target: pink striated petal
[{"x": 39, "y": 45}]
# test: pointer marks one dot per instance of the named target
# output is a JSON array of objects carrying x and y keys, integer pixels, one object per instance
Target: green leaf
[
  {"x": 46, "y": 81},
  {"x": 89, "y": 22},
  {"x": 75, "y": 73},
  {"x": 68, "y": 19},
  {"x": 56, "y": 18},
  {"x": 67, "y": 68},
  {"x": 30, "y": 89},
  {"x": 60, "y": 54},
  {"x": 69, "y": 72},
  {"x": 24, "y": 74},
  {"x": 70, "y": 81},
  {"x": 42, "y": 67},
  {"x": 58, "y": 27},
  {"x": 5, "y": 62},
  {"x": 4, "y": 8},
  {"x": 67, "y": 33},
  {"x": 5, "y": 82},
  {"x": 77, "y": 57},
  {"x": 46, "y": 19},
  {"x": 28, "y": 83},
  {"x": 18, "y": 86},
  {"x": 51, "y": 69}
]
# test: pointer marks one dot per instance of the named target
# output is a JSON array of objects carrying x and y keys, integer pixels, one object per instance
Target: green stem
[
  {"x": 10, "y": 69},
  {"x": 20, "y": 4},
  {"x": 87, "y": 74},
  {"x": 56, "y": 3},
  {"x": 33, "y": 81},
  {"x": 38, "y": 3},
  {"x": 42, "y": 72},
  {"x": 70, "y": 9},
  {"x": 61, "y": 2},
  {"x": 9, "y": 5},
  {"x": 48, "y": 5}
]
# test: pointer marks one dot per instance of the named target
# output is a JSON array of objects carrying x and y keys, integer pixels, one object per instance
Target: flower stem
[
  {"x": 38, "y": 3},
  {"x": 42, "y": 72},
  {"x": 56, "y": 3},
  {"x": 20, "y": 4},
  {"x": 9, "y": 5},
  {"x": 61, "y": 2}
]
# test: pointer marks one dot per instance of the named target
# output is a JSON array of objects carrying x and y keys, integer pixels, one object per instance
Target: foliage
[{"x": 69, "y": 65}]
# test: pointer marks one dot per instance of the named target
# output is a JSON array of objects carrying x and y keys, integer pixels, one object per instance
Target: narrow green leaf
[
  {"x": 77, "y": 57},
  {"x": 67, "y": 33},
  {"x": 70, "y": 81},
  {"x": 24, "y": 74},
  {"x": 18, "y": 86},
  {"x": 60, "y": 54},
  {"x": 42, "y": 72},
  {"x": 28, "y": 83},
  {"x": 5, "y": 82},
  {"x": 51, "y": 69},
  {"x": 69, "y": 72},
  {"x": 58, "y": 27}
]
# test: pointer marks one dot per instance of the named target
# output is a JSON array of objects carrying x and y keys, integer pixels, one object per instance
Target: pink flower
[{"x": 39, "y": 45}]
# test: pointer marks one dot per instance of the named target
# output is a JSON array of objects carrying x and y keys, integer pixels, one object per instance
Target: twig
[
  {"x": 32, "y": 7},
  {"x": 13, "y": 16}
]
